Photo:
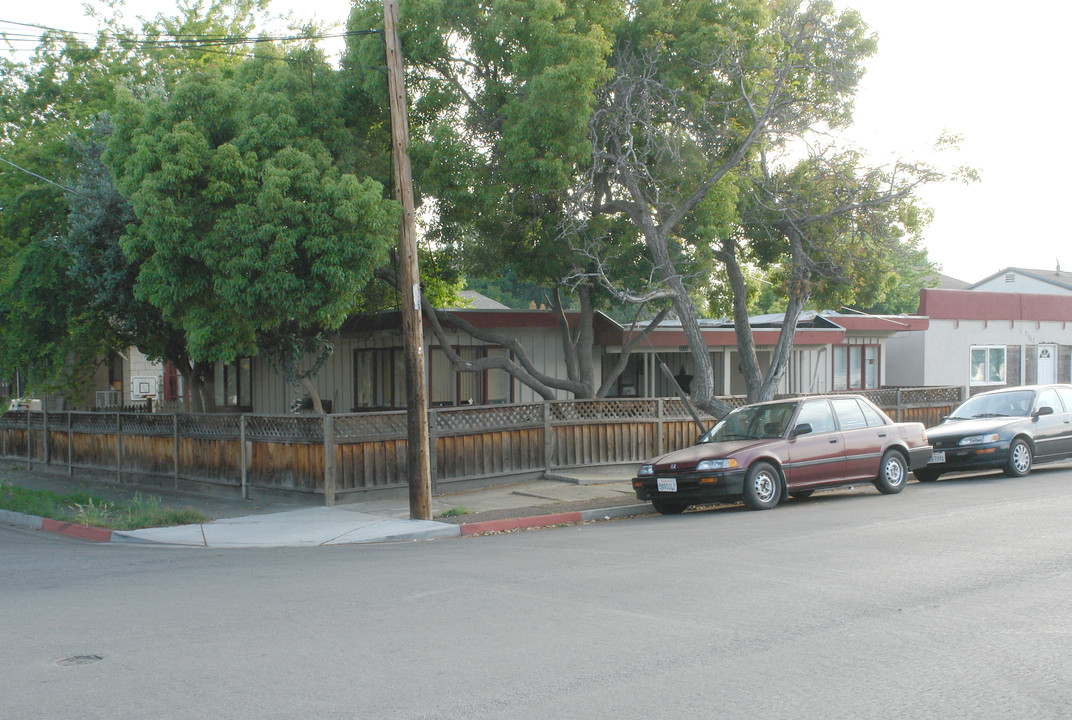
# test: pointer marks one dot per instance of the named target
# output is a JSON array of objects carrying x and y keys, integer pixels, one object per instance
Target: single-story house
[{"x": 982, "y": 340}]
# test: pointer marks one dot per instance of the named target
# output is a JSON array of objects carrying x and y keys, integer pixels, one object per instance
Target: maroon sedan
[{"x": 761, "y": 453}]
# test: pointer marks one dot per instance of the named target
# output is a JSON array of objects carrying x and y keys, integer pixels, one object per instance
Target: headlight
[
  {"x": 978, "y": 439},
  {"x": 645, "y": 470},
  {"x": 721, "y": 464}
]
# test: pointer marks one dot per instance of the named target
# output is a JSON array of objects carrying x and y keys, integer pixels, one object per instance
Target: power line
[
  {"x": 64, "y": 188},
  {"x": 178, "y": 40}
]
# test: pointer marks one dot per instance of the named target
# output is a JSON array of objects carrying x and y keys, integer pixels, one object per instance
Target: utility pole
[{"x": 420, "y": 476}]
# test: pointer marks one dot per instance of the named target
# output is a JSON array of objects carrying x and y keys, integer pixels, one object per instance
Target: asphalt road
[{"x": 949, "y": 600}]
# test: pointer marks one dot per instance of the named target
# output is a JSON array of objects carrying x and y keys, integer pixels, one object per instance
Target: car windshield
[
  {"x": 754, "y": 422},
  {"x": 1016, "y": 403}
]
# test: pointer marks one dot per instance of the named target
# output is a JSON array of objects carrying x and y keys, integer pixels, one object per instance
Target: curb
[
  {"x": 33, "y": 522},
  {"x": 535, "y": 521}
]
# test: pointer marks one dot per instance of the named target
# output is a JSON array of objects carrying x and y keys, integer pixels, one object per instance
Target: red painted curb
[
  {"x": 477, "y": 528},
  {"x": 94, "y": 534}
]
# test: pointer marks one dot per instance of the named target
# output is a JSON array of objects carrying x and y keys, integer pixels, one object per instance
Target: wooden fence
[{"x": 335, "y": 455}]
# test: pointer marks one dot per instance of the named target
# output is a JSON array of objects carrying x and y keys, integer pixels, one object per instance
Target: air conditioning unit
[{"x": 145, "y": 387}]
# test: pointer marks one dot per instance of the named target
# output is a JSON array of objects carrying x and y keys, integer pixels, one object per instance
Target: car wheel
[
  {"x": 762, "y": 487},
  {"x": 801, "y": 494},
  {"x": 892, "y": 474},
  {"x": 668, "y": 507},
  {"x": 1019, "y": 462},
  {"x": 926, "y": 475}
]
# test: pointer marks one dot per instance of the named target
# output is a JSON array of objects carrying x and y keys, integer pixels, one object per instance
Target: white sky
[{"x": 986, "y": 71}]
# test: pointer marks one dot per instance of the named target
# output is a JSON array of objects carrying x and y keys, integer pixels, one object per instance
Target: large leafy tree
[
  {"x": 503, "y": 95},
  {"x": 249, "y": 236}
]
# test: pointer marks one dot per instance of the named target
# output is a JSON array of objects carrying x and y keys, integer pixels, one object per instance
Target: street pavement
[{"x": 574, "y": 496}]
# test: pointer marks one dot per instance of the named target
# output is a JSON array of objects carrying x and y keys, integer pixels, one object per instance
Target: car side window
[
  {"x": 874, "y": 417},
  {"x": 1048, "y": 398},
  {"x": 818, "y": 414},
  {"x": 1066, "y": 397},
  {"x": 848, "y": 413}
]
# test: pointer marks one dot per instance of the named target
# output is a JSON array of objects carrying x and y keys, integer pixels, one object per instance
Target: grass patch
[
  {"x": 85, "y": 509},
  {"x": 455, "y": 512}
]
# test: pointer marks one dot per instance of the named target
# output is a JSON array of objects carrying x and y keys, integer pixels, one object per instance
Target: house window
[
  {"x": 447, "y": 387},
  {"x": 237, "y": 384},
  {"x": 856, "y": 367},
  {"x": 987, "y": 365},
  {"x": 379, "y": 378}
]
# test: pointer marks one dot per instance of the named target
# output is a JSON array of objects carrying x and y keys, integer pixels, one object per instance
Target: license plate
[
  {"x": 937, "y": 457},
  {"x": 667, "y": 484}
]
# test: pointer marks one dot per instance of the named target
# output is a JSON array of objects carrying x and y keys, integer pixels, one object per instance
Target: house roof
[
  {"x": 978, "y": 305},
  {"x": 1059, "y": 278}
]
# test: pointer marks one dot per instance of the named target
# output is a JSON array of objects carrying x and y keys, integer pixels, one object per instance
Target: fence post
[
  {"x": 118, "y": 448},
  {"x": 900, "y": 410},
  {"x": 660, "y": 428},
  {"x": 44, "y": 416},
  {"x": 548, "y": 438},
  {"x": 243, "y": 467},
  {"x": 433, "y": 448},
  {"x": 328, "y": 427},
  {"x": 70, "y": 447},
  {"x": 175, "y": 449},
  {"x": 29, "y": 432}
]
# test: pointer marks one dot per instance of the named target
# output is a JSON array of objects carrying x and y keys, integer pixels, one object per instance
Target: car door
[
  {"x": 863, "y": 447},
  {"x": 815, "y": 457},
  {"x": 1051, "y": 431},
  {"x": 1065, "y": 393}
]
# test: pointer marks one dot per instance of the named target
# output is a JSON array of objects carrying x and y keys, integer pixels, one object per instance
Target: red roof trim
[{"x": 974, "y": 305}]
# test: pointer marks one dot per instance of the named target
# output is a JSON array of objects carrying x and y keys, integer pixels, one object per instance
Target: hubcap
[
  {"x": 894, "y": 473},
  {"x": 764, "y": 487},
  {"x": 1021, "y": 458}
]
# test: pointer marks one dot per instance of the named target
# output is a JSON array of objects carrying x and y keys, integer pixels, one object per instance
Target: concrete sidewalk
[{"x": 583, "y": 495}]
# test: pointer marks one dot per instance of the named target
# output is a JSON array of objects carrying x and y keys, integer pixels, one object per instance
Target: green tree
[{"x": 247, "y": 228}]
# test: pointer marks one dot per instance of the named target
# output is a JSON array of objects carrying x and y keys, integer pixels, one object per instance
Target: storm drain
[{"x": 79, "y": 660}]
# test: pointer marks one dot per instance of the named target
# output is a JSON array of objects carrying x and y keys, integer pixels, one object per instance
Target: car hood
[
  {"x": 978, "y": 426},
  {"x": 687, "y": 458}
]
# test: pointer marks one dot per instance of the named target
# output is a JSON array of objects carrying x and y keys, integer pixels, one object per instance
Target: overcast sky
[{"x": 986, "y": 71}]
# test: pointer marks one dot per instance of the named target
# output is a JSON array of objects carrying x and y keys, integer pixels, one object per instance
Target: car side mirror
[
  {"x": 1044, "y": 410},
  {"x": 801, "y": 429}
]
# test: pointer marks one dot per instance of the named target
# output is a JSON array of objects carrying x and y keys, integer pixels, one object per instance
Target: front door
[{"x": 1047, "y": 372}]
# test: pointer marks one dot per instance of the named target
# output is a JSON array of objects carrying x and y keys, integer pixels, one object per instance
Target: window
[
  {"x": 849, "y": 414},
  {"x": 818, "y": 414},
  {"x": 237, "y": 384},
  {"x": 1048, "y": 398},
  {"x": 379, "y": 378},
  {"x": 447, "y": 387},
  {"x": 856, "y": 367},
  {"x": 987, "y": 365}
]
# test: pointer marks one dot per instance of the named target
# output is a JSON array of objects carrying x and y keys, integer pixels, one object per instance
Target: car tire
[
  {"x": 801, "y": 494},
  {"x": 1020, "y": 458},
  {"x": 892, "y": 473},
  {"x": 762, "y": 487},
  {"x": 669, "y": 507},
  {"x": 926, "y": 475}
]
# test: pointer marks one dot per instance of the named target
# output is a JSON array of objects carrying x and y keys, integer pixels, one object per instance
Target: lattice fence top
[
  {"x": 495, "y": 417},
  {"x": 619, "y": 409},
  {"x": 94, "y": 423},
  {"x": 675, "y": 409},
  {"x": 285, "y": 428},
  {"x": 209, "y": 427},
  {"x": 370, "y": 425},
  {"x": 13, "y": 419},
  {"x": 147, "y": 425}
]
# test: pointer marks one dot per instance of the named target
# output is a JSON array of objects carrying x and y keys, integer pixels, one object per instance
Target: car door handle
[
  {"x": 882, "y": 434},
  {"x": 833, "y": 441}
]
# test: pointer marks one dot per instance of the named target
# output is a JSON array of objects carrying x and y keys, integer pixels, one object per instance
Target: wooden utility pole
[{"x": 420, "y": 477}]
